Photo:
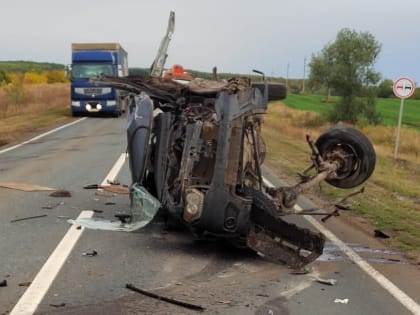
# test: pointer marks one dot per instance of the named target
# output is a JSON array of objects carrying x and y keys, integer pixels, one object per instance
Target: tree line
[{"x": 346, "y": 66}]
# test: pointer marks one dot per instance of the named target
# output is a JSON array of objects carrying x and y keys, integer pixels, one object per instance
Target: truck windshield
[{"x": 90, "y": 70}]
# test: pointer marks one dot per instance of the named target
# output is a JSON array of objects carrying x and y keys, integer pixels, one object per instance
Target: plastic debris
[
  {"x": 3, "y": 283},
  {"x": 25, "y": 187},
  {"x": 53, "y": 205},
  {"x": 91, "y": 186},
  {"x": 25, "y": 284},
  {"x": 326, "y": 281},
  {"x": 91, "y": 254},
  {"x": 342, "y": 301},
  {"x": 142, "y": 211},
  {"x": 60, "y": 193},
  {"x": 380, "y": 234}
]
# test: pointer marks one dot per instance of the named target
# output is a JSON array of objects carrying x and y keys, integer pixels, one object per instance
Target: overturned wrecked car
[{"x": 196, "y": 154}]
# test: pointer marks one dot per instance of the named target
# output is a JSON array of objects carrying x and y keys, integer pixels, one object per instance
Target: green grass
[{"x": 388, "y": 108}]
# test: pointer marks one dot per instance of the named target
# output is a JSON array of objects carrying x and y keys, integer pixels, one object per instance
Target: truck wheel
[{"x": 353, "y": 150}]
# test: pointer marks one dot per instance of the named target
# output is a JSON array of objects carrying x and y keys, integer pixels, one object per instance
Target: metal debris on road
[
  {"x": 111, "y": 187},
  {"x": 380, "y": 234},
  {"x": 60, "y": 193},
  {"x": 342, "y": 301},
  {"x": 3, "y": 283},
  {"x": 165, "y": 299},
  {"x": 92, "y": 186},
  {"x": 25, "y": 187},
  {"x": 302, "y": 271},
  {"x": 112, "y": 182},
  {"x": 25, "y": 284},
  {"x": 90, "y": 254},
  {"x": 29, "y": 218},
  {"x": 53, "y": 205}
]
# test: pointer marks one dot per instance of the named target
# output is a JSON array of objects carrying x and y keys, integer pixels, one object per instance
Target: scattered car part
[
  {"x": 29, "y": 218},
  {"x": 25, "y": 187},
  {"x": 144, "y": 207},
  {"x": 25, "y": 284},
  {"x": 326, "y": 281},
  {"x": 164, "y": 298},
  {"x": 61, "y": 193},
  {"x": 380, "y": 234},
  {"x": 90, "y": 254}
]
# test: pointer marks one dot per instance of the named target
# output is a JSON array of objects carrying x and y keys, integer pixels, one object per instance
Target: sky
[{"x": 236, "y": 36}]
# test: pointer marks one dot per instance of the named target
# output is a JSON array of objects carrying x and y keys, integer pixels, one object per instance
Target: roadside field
[
  {"x": 388, "y": 108},
  {"x": 32, "y": 107}
]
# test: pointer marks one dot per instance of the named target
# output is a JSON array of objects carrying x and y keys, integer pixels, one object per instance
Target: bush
[
  {"x": 56, "y": 76},
  {"x": 15, "y": 90}
]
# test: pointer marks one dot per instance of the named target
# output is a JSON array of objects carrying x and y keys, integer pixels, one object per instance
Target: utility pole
[
  {"x": 287, "y": 76},
  {"x": 304, "y": 75}
]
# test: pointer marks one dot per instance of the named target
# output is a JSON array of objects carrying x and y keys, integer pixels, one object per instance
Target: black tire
[{"x": 360, "y": 155}]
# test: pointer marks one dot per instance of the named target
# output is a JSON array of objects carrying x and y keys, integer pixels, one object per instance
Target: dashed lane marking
[{"x": 33, "y": 296}]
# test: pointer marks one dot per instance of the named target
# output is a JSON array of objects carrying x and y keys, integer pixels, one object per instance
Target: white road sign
[{"x": 404, "y": 88}]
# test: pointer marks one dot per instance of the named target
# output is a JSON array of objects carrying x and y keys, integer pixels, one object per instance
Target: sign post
[{"x": 403, "y": 88}]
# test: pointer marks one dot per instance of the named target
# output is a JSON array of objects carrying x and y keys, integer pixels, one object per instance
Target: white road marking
[
  {"x": 29, "y": 301},
  {"x": 115, "y": 170},
  {"x": 42, "y": 135},
  {"x": 391, "y": 288}
]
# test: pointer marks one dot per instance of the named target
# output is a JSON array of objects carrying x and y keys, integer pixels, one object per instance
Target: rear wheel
[{"x": 352, "y": 150}]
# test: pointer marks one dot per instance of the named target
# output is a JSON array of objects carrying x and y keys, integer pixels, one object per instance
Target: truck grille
[{"x": 91, "y": 91}]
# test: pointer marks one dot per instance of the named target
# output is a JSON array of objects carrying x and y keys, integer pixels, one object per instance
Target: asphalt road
[{"x": 169, "y": 262}]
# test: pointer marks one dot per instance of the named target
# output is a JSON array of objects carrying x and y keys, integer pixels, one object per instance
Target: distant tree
[
  {"x": 385, "y": 88},
  {"x": 346, "y": 65},
  {"x": 416, "y": 94},
  {"x": 321, "y": 74}
]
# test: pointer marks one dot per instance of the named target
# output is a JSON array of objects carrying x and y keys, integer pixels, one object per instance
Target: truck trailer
[{"x": 89, "y": 60}]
